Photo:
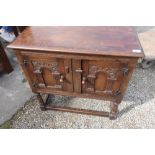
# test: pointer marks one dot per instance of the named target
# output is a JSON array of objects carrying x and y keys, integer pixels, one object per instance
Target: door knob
[
  {"x": 83, "y": 80},
  {"x": 61, "y": 79}
]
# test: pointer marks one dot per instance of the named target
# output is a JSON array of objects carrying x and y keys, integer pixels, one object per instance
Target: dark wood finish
[
  {"x": 42, "y": 103},
  {"x": 5, "y": 66},
  {"x": 79, "y": 111},
  {"x": 92, "y": 62},
  {"x": 46, "y": 106},
  {"x": 114, "y": 110},
  {"x": 48, "y": 72},
  {"x": 99, "y": 40},
  {"x": 103, "y": 77},
  {"x": 76, "y": 67}
]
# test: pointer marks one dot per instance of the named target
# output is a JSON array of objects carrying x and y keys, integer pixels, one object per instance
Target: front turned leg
[
  {"x": 41, "y": 101},
  {"x": 114, "y": 110}
]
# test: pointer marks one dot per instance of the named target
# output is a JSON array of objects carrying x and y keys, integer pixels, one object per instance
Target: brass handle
[
  {"x": 83, "y": 80},
  {"x": 61, "y": 79}
]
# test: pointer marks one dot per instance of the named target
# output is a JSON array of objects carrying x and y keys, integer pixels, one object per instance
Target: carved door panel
[
  {"x": 103, "y": 77},
  {"x": 48, "y": 72}
]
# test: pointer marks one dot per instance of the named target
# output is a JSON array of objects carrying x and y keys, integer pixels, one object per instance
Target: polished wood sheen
[
  {"x": 118, "y": 41},
  {"x": 92, "y": 62}
]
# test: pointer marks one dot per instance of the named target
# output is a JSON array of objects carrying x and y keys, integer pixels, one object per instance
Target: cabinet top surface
[{"x": 96, "y": 40}]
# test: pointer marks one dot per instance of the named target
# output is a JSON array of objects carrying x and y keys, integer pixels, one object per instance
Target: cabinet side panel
[
  {"x": 131, "y": 66},
  {"x": 24, "y": 69}
]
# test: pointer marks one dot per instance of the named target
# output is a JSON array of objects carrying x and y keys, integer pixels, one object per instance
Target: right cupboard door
[{"x": 103, "y": 77}]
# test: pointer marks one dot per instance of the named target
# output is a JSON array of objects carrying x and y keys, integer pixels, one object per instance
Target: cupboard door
[
  {"x": 48, "y": 72},
  {"x": 103, "y": 77}
]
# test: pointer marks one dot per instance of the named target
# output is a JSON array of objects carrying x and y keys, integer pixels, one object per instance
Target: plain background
[{"x": 78, "y": 13}]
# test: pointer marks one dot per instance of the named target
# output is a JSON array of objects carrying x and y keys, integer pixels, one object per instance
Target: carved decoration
[
  {"x": 111, "y": 72},
  {"x": 111, "y": 76},
  {"x": 53, "y": 66}
]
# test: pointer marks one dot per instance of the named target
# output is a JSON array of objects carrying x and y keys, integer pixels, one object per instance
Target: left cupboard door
[{"x": 46, "y": 72}]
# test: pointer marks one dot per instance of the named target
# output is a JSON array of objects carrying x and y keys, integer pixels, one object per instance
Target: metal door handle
[
  {"x": 56, "y": 73},
  {"x": 79, "y": 70},
  {"x": 61, "y": 79},
  {"x": 83, "y": 80}
]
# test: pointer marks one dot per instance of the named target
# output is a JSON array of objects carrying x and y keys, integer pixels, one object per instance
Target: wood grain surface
[{"x": 97, "y": 40}]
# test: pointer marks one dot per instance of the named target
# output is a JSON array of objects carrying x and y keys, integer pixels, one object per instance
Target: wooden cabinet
[{"x": 92, "y": 62}]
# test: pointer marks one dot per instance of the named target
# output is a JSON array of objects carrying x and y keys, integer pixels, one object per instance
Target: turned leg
[
  {"x": 114, "y": 110},
  {"x": 41, "y": 101}
]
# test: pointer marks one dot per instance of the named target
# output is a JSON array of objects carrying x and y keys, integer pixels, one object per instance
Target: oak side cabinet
[{"x": 92, "y": 62}]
